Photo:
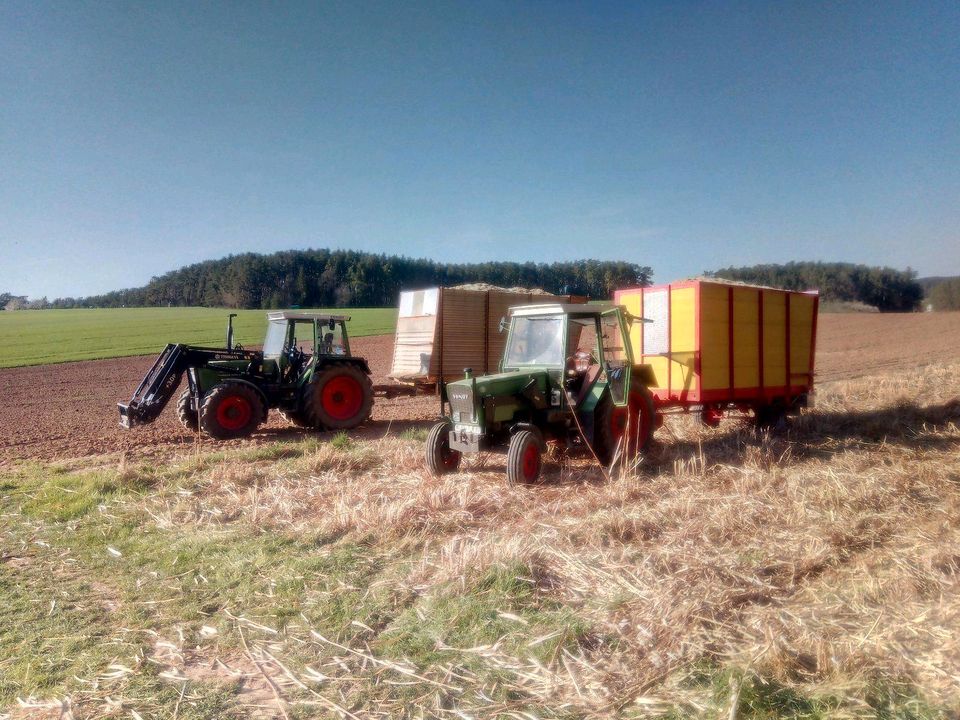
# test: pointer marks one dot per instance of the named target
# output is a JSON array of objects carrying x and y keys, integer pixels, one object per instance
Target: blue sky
[{"x": 138, "y": 137}]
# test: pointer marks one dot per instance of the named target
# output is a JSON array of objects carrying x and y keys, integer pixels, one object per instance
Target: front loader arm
[{"x": 157, "y": 387}]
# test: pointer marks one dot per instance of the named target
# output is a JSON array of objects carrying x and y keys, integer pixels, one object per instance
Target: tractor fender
[
  {"x": 358, "y": 362},
  {"x": 256, "y": 388},
  {"x": 531, "y": 428},
  {"x": 645, "y": 374}
]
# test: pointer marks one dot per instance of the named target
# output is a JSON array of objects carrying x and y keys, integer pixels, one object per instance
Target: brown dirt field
[{"x": 69, "y": 410}]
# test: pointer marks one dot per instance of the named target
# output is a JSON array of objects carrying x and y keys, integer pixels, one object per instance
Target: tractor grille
[{"x": 461, "y": 402}]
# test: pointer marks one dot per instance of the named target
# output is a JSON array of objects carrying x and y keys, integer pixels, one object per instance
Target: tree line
[
  {"x": 346, "y": 278},
  {"x": 884, "y": 288},
  {"x": 945, "y": 294}
]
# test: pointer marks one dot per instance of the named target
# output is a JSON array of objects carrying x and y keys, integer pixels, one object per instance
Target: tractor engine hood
[{"x": 523, "y": 387}]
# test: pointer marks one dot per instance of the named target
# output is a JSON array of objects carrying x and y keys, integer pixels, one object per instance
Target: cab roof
[
  {"x": 561, "y": 309},
  {"x": 300, "y": 315}
]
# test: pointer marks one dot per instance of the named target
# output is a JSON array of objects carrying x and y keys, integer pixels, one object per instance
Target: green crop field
[{"x": 39, "y": 337}]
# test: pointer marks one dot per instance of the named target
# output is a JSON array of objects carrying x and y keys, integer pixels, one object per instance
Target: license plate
[{"x": 464, "y": 439}]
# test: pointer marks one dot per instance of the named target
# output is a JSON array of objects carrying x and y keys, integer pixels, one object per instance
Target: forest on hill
[
  {"x": 884, "y": 288},
  {"x": 343, "y": 278}
]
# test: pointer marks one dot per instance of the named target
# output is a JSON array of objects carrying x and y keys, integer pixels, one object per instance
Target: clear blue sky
[{"x": 138, "y": 137}]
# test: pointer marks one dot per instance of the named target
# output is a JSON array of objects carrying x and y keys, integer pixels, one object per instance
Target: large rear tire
[
  {"x": 524, "y": 458},
  {"x": 622, "y": 433},
  {"x": 187, "y": 417},
  {"x": 440, "y": 458},
  {"x": 231, "y": 410},
  {"x": 338, "y": 398}
]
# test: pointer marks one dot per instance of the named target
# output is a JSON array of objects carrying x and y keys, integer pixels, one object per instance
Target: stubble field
[{"x": 810, "y": 575}]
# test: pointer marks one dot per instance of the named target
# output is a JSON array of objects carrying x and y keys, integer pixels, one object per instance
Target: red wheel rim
[
  {"x": 530, "y": 463},
  {"x": 233, "y": 412},
  {"x": 450, "y": 458},
  {"x": 342, "y": 397}
]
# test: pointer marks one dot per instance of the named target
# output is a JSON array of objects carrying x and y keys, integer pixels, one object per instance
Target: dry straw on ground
[{"x": 826, "y": 559}]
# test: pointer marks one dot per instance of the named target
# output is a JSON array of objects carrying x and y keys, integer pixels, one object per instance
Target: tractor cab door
[
  {"x": 299, "y": 347},
  {"x": 616, "y": 358}
]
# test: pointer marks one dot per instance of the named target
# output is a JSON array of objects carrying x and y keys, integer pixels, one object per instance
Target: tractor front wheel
[
  {"x": 338, "y": 398},
  {"x": 187, "y": 417},
  {"x": 440, "y": 458},
  {"x": 524, "y": 458},
  {"x": 231, "y": 410}
]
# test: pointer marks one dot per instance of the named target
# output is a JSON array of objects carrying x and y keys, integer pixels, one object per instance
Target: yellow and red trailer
[{"x": 715, "y": 346}]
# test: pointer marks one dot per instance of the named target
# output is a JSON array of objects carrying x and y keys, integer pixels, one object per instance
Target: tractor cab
[
  {"x": 294, "y": 339},
  {"x": 582, "y": 348}
]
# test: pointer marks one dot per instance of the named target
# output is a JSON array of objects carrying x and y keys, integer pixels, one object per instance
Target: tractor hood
[{"x": 511, "y": 389}]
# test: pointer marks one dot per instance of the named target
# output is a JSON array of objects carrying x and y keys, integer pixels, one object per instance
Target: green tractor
[
  {"x": 567, "y": 375},
  {"x": 305, "y": 371}
]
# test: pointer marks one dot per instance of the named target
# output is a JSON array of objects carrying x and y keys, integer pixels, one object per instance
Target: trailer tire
[
  {"x": 440, "y": 458},
  {"x": 231, "y": 410},
  {"x": 338, "y": 398},
  {"x": 611, "y": 442},
  {"x": 524, "y": 458},
  {"x": 190, "y": 419}
]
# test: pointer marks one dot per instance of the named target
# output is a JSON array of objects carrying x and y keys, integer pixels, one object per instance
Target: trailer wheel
[
  {"x": 710, "y": 416},
  {"x": 188, "y": 418},
  {"x": 440, "y": 458},
  {"x": 231, "y": 410},
  {"x": 771, "y": 417},
  {"x": 524, "y": 458},
  {"x": 622, "y": 433},
  {"x": 338, "y": 398}
]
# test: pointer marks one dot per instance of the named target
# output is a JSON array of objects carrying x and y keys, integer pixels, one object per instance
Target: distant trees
[
  {"x": 344, "y": 278},
  {"x": 886, "y": 289},
  {"x": 945, "y": 295}
]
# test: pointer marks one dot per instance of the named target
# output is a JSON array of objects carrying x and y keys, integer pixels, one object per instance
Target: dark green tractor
[
  {"x": 567, "y": 375},
  {"x": 305, "y": 371}
]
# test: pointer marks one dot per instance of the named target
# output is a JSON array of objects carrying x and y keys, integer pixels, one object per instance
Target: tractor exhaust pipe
[{"x": 230, "y": 318}]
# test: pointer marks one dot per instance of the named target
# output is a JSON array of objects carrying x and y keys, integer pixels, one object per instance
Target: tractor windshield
[
  {"x": 535, "y": 341},
  {"x": 276, "y": 337}
]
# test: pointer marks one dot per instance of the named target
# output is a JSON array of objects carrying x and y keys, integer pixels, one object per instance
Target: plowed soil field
[{"x": 69, "y": 410}]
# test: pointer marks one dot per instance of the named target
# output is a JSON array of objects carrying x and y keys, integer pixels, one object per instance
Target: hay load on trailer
[
  {"x": 442, "y": 330},
  {"x": 716, "y": 346}
]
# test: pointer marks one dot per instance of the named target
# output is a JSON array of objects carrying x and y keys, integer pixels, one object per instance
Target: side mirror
[{"x": 503, "y": 325}]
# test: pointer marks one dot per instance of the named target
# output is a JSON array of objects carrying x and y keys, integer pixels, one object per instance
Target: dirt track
[{"x": 69, "y": 410}]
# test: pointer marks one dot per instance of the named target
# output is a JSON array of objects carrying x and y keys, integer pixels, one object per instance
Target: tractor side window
[
  {"x": 616, "y": 361},
  {"x": 276, "y": 337},
  {"x": 303, "y": 337},
  {"x": 331, "y": 340}
]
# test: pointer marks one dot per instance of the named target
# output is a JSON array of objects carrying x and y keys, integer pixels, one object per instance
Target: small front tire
[
  {"x": 188, "y": 417},
  {"x": 231, "y": 410},
  {"x": 440, "y": 458},
  {"x": 524, "y": 458}
]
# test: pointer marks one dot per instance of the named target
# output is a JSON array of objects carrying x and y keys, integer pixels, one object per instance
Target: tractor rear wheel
[
  {"x": 231, "y": 410},
  {"x": 188, "y": 418},
  {"x": 524, "y": 458},
  {"x": 622, "y": 433},
  {"x": 338, "y": 398},
  {"x": 440, "y": 458}
]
